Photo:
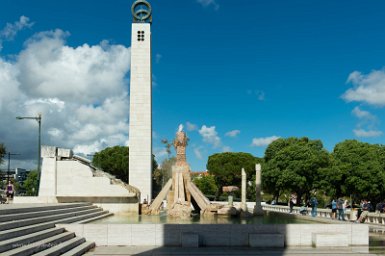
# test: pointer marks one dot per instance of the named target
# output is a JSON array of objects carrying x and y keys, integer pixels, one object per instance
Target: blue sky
[{"x": 236, "y": 74}]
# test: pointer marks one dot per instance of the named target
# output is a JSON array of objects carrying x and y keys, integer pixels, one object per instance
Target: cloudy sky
[{"x": 236, "y": 74}]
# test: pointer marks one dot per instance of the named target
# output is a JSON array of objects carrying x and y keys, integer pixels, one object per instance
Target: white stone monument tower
[{"x": 140, "y": 130}]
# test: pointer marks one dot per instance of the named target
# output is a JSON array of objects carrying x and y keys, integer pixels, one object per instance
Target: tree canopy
[
  {"x": 31, "y": 183},
  {"x": 226, "y": 168},
  {"x": 293, "y": 164},
  {"x": 357, "y": 169},
  {"x": 206, "y": 184},
  {"x": 114, "y": 160},
  {"x": 162, "y": 174}
]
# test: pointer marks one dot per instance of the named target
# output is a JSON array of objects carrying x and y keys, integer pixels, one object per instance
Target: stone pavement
[{"x": 227, "y": 251}]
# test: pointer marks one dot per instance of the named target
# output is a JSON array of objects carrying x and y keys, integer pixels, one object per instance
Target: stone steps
[
  {"x": 81, "y": 249},
  {"x": 46, "y": 212},
  {"x": 40, "y": 208},
  {"x": 38, "y": 235},
  {"x": 30, "y": 238},
  {"x": 41, "y": 245},
  {"x": 62, "y": 247},
  {"x": 44, "y": 219},
  {"x": 108, "y": 214}
]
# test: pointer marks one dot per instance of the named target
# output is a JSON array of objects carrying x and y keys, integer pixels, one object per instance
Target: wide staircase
[{"x": 31, "y": 230}]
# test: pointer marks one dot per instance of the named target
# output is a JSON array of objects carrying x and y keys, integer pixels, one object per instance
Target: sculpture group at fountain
[{"x": 181, "y": 193}]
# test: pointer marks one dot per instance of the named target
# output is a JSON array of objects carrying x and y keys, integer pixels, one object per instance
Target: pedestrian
[
  {"x": 334, "y": 209},
  {"x": 340, "y": 209},
  {"x": 364, "y": 213},
  {"x": 10, "y": 191},
  {"x": 291, "y": 205},
  {"x": 314, "y": 205}
]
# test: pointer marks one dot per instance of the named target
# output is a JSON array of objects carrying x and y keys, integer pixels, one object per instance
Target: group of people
[
  {"x": 338, "y": 208},
  {"x": 365, "y": 208},
  {"x": 313, "y": 203},
  {"x": 9, "y": 193}
]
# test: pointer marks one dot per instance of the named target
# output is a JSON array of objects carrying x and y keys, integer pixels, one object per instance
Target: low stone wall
[
  {"x": 372, "y": 218},
  {"x": 215, "y": 234}
]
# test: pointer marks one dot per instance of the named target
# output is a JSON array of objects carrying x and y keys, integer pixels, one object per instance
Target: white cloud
[
  {"x": 226, "y": 149},
  {"x": 367, "y": 133},
  {"x": 86, "y": 73},
  {"x": 232, "y": 133},
  {"x": 191, "y": 127},
  {"x": 260, "y": 142},
  {"x": 368, "y": 88},
  {"x": 207, "y": 3},
  {"x": 198, "y": 153},
  {"x": 259, "y": 94},
  {"x": 210, "y": 136},
  {"x": 362, "y": 114},
  {"x": 11, "y": 29},
  {"x": 160, "y": 154},
  {"x": 82, "y": 93},
  {"x": 366, "y": 126},
  {"x": 158, "y": 57}
]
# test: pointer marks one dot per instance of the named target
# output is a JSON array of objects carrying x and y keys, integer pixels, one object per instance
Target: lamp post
[{"x": 38, "y": 119}]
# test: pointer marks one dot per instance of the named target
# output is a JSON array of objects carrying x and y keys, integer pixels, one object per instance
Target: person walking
[
  {"x": 314, "y": 205},
  {"x": 291, "y": 205},
  {"x": 334, "y": 209},
  {"x": 10, "y": 191},
  {"x": 340, "y": 208},
  {"x": 364, "y": 213}
]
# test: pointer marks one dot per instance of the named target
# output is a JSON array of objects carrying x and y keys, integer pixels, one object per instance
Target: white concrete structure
[
  {"x": 67, "y": 178},
  {"x": 140, "y": 130},
  {"x": 221, "y": 235}
]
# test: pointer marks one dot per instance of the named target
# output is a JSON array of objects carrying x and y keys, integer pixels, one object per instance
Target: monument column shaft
[
  {"x": 258, "y": 198},
  {"x": 243, "y": 191},
  {"x": 140, "y": 129}
]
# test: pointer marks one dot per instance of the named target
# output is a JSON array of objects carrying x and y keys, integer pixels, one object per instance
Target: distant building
[
  {"x": 20, "y": 175},
  {"x": 199, "y": 174}
]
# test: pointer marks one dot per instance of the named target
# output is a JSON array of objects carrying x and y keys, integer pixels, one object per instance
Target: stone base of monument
[
  {"x": 258, "y": 210},
  {"x": 227, "y": 211},
  {"x": 245, "y": 214},
  {"x": 180, "y": 210}
]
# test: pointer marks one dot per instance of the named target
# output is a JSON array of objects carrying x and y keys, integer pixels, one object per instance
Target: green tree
[
  {"x": 293, "y": 165},
  {"x": 226, "y": 168},
  {"x": 163, "y": 174},
  {"x": 206, "y": 184},
  {"x": 31, "y": 183},
  {"x": 114, "y": 160},
  {"x": 357, "y": 169},
  {"x": 3, "y": 151}
]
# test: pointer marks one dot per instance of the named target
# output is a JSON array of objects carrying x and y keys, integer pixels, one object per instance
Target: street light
[{"x": 38, "y": 119}]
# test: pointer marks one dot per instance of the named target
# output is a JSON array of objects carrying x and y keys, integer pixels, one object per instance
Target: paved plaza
[{"x": 224, "y": 251}]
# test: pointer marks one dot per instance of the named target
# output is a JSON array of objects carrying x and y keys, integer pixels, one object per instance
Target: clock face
[{"x": 141, "y": 10}]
